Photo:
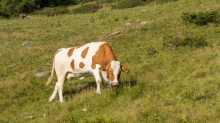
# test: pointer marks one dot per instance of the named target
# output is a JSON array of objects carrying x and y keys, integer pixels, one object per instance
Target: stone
[
  {"x": 128, "y": 24},
  {"x": 22, "y": 16},
  {"x": 116, "y": 33},
  {"x": 54, "y": 104},
  {"x": 143, "y": 23},
  {"x": 11, "y": 65},
  {"x": 26, "y": 43},
  {"x": 84, "y": 109},
  {"x": 29, "y": 117},
  {"x": 48, "y": 64},
  {"x": 41, "y": 74}
]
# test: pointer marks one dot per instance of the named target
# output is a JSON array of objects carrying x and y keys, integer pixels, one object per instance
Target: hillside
[{"x": 168, "y": 83}]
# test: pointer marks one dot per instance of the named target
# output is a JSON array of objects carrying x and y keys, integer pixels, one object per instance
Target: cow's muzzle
[{"x": 115, "y": 84}]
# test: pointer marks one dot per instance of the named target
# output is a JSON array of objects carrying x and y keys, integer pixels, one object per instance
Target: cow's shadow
[{"x": 92, "y": 85}]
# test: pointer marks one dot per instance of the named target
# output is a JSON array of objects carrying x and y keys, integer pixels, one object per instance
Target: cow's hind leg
[{"x": 59, "y": 88}]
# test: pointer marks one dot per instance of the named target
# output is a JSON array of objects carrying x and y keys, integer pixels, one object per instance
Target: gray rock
[
  {"x": 22, "y": 16},
  {"x": 116, "y": 33},
  {"x": 54, "y": 104},
  {"x": 26, "y": 43},
  {"x": 143, "y": 23},
  {"x": 11, "y": 65},
  {"x": 128, "y": 24},
  {"x": 84, "y": 109},
  {"x": 41, "y": 74},
  {"x": 29, "y": 117},
  {"x": 48, "y": 64}
]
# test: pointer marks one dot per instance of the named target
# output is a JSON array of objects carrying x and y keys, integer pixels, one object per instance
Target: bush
[
  {"x": 106, "y": 1},
  {"x": 189, "y": 40},
  {"x": 201, "y": 18},
  {"x": 165, "y": 1},
  {"x": 52, "y": 11},
  {"x": 128, "y": 4},
  {"x": 88, "y": 8}
]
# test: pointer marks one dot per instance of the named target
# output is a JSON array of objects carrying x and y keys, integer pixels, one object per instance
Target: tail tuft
[{"x": 49, "y": 80}]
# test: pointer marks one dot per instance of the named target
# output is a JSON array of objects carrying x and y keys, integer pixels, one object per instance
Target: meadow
[{"x": 166, "y": 84}]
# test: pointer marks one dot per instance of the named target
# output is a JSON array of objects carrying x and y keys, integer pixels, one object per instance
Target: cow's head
[{"x": 113, "y": 71}]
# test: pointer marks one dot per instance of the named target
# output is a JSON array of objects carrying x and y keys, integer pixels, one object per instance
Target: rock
[
  {"x": 11, "y": 65},
  {"x": 143, "y": 23},
  {"x": 128, "y": 24},
  {"x": 26, "y": 43},
  {"x": 155, "y": 12},
  {"x": 41, "y": 74},
  {"x": 84, "y": 109},
  {"x": 22, "y": 16},
  {"x": 48, "y": 64},
  {"x": 138, "y": 20},
  {"x": 116, "y": 33},
  {"x": 29, "y": 117},
  {"x": 54, "y": 104}
]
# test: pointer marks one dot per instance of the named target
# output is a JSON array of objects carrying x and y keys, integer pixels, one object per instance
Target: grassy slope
[{"x": 173, "y": 85}]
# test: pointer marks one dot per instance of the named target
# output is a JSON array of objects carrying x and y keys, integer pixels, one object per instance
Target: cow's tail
[{"x": 51, "y": 76}]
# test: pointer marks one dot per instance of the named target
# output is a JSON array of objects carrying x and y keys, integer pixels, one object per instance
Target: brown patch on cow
[
  {"x": 84, "y": 52},
  {"x": 110, "y": 73},
  {"x": 103, "y": 56},
  {"x": 119, "y": 74},
  {"x": 72, "y": 64},
  {"x": 81, "y": 64},
  {"x": 57, "y": 52},
  {"x": 79, "y": 47},
  {"x": 70, "y": 52}
]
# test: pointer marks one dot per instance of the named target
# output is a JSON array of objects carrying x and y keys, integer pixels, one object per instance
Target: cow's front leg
[
  {"x": 109, "y": 84},
  {"x": 98, "y": 81}
]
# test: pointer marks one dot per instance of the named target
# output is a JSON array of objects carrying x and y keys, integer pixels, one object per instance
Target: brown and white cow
[{"x": 96, "y": 58}]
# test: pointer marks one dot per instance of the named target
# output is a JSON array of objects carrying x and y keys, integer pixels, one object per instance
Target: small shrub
[
  {"x": 201, "y": 18},
  {"x": 151, "y": 51},
  {"x": 88, "y": 8},
  {"x": 165, "y": 1},
  {"x": 71, "y": 120},
  {"x": 86, "y": 1},
  {"x": 189, "y": 40},
  {"x": 128, "y": 4},
  {"x": 106, "y": 1},
  {"x": 52, "y": 11}
]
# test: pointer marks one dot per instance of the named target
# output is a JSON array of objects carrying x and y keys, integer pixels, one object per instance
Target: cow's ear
[
  {"x": 103, "y": 68},
  {"x": 125, "y": 69}
]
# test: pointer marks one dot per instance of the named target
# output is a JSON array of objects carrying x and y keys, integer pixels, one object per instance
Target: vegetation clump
[
  {"x": 87, "y": 8},
  {"x": 201, "y": 18},
  {"x": 189, "y": 40},
  {"x": 53, "y": 11},
  {"x": 128, "y": 4}
]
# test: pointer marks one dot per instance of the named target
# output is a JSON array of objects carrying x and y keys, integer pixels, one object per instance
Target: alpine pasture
[{"x": 167, "y": 83}]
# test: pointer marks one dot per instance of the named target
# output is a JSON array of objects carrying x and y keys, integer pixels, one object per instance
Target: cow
[{"x": 95, "y": 58}]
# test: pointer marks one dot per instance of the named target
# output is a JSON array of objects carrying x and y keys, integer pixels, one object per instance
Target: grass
[{"x": 167, "y": 84}]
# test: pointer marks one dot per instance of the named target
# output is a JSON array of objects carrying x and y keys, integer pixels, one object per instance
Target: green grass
[{"x": 167, "y": 84}]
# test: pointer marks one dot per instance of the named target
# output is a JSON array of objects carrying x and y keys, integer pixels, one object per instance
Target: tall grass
[{"x": 167, "y": 84}]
